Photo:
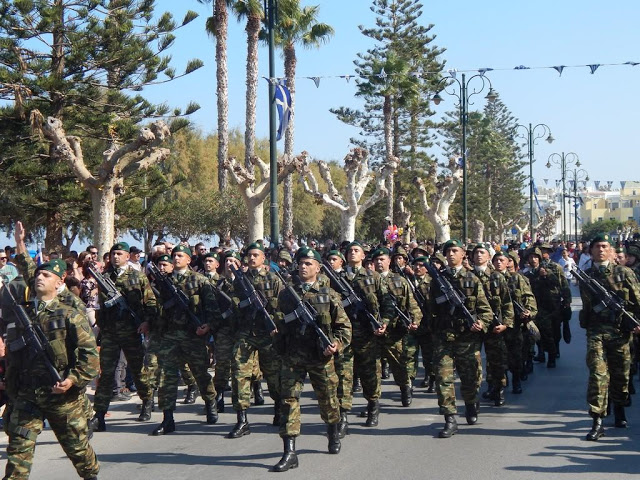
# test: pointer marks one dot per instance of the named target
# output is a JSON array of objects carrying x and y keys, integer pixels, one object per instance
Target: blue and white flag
[
  {"x": 535, "y": 188},
  {"x": 283, "y": 105}
]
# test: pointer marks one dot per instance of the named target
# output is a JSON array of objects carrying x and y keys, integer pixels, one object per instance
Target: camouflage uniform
[
  {"x": 395, "y": 343},
  {"x": 424, "y": 334},
  {"x": 75, "y": 356},
  {"x": 224, "y": 335},
  {"x": 118, "y": 331},
  {"x": 518, "y": 340},
  {"x": 497, "y": 293},
  {"x": 562, "y": 297},
  {"x": 455, "y": 346},
  {"x": 302, "y": 354},
  {"x": 179, "y": 343},
  {"x": 252, "y": 336},
  {"x": 608, "y": 354}
]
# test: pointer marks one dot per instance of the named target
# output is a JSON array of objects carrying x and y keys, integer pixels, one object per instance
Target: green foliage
[{"x": 589, "y": 230}]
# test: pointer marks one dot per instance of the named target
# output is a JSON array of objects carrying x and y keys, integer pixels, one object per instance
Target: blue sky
[{"x": 591, "y": 115}]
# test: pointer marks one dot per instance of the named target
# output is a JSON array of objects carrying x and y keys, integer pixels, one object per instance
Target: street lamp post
[
  {"x": 271, "y": 6},
  {"x": 577, "y": 175},
  {"x": 532, "y": 136},
  {"x": 563, "y": 161},
  {"x": 463, "y": 102}
]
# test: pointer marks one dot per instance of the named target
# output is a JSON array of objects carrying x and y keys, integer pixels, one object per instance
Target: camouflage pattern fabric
[
  {"x": 546, "y": 288},
  {"x": 423, "y": 336}
]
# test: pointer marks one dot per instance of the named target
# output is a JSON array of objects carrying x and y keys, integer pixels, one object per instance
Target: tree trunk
[
  {"x": 388, "y": 143},
  {"x": 253, "y": 28},
  {"x": 53, "y": 238},
  {"x": 348, "y": 225},
  {"x": 255, "y": 219},
  {"x": 222, "y": 77},
  {"x": 443, "y": 232},
  {"x": 103, "y": 202},
  {"x": 290, "y": 63}
]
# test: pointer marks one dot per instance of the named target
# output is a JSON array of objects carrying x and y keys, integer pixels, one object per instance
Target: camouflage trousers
[
  {"x": 463, "y": 354},
  {"x": 325, "y": 385},
  {"x": 399, "y": 356},
  {"x": 635, "y": 354},
  {"x": 366, "y": 350},
  {"x": 495, "y": 351},
  {"x": 68, "y": 420},
  {"x": 343, "y": 363},
  {"x": 178, "y": 347},
  {"x": 110, "y": 347},
  {"x": 513, "y": 341},
  {"x": 609, "y": 360},
  {"x": 224, "y": 357},
  {"x": 244, "y": 366},
  {"x": 528, "y": 345},
  {"x": 424, "y": 343},
  {"x": 545, "y": 322}
]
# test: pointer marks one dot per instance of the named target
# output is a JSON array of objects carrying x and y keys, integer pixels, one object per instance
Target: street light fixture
[
  {"x": 563, "y": 161},
  {"x": 532, "y": 136},
  {"x": 463, "y": 103},
  {"x": 577, "y": 175}
]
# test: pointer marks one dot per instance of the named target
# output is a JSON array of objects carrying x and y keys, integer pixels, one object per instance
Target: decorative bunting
[
  {"x": 482, "y": 71},
  {"x": 622, "y": 183},
  {"x": 571, "y": 182},
  {"x": 382, "y": 74},
  {"x": 452, "y": 72},
  {"x": 594, "y": 67},
  {"x": 546, "y": 181},
  {"x": 521, "y": 67},
  {"x": 597, "y": 184},
  {"x": 346, "y": 77},
  {"x": 316, "y": 80},
  {"x": 633, "y": 64},
  {"x": 559, "y": 69},
  {"x": 609, "y": 183}
]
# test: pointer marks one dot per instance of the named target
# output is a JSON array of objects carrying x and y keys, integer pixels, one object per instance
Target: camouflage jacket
[
  {"x": 399, "y": 288},
  {"x": 547, "y": 288},
  {"x": 423, "y": 285},
  {"x": 369, "y": 286},
  {"x": 624, "y": 284},
  {"x": 520, "y": 290},
  {"x": 497, "y": 292},
  {"x": 71, "y": 348},
  {"x": 269, "y": 286},
  {"x": 562, "y": 292},
  {"x": 453, "y": 324},
  {"x": 135, "y": 288},
  {"x": 305, "y": 346}
]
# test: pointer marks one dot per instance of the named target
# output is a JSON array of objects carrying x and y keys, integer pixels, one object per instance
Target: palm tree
[{"x": 295, "y": 25}]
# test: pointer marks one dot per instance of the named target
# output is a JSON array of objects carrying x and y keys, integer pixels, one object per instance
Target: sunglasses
[{"x": 3, "y": 258}]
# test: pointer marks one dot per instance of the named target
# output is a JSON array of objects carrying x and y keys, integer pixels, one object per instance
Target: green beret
[
  {"x": 213, "y": 255},
  {"x": 56, "y": 266},
  {"x": 285, "y": 255},
  {"x": 422, "y": 259},
  {"x": 419, "y": 251},
  {"x": 621, "y": 250},
  {"x": 308, "y": 252},
  {"x": 337, "y": 253},
  {"x": 378, "y": 252},
  {"x": 600, "y": 237},
  {"x": 120, "y": 246},
  {"x": 163, "y": 258},
  {"x": 480, "y": 246},
  {"x": 499, "y": 253},
  {"x": 401, "y": 251},
  {"x": 181, "y": 248},
  {"x": 232, "y": 254},
  {"x": 355, "y": 243},
  {"x": 439, "y": 257},
  {"x": 545, "y": 246},
  {"x": 514, "y": 256},
  {"x": 534, "y": 251},
  {"x": 451, "y": 243},
  {"x": 633, "y": 250},
  {"x": 256, "y": 246}
]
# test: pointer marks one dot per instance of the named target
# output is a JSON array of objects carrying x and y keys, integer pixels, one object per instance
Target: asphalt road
[{"x": 539, "y": 434}]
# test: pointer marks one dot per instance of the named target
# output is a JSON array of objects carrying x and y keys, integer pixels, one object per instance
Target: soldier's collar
[{"x": 481, "y": 268}]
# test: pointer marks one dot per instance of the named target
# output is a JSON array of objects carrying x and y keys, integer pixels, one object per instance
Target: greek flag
[{"x": 283, "y": 105}]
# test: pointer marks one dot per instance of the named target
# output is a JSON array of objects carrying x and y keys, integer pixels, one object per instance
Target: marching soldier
[
  {"x": 252, "y": 335},
  {"x": 424, "y": 334},
  {"x": 182, "y": 342},
  {"x": 74, "y": 356},
  {"x": 456, "y": 343},
  {"x": 302, "y": 354},
  {"x": 119, "y": 332},
  {"x": 608, "y": 336}
]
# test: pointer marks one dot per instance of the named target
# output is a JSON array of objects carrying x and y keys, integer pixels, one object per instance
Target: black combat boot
[
  {"x": 167, "y": 425},
  {"x": 241, "y": 427},
  {"x": 258, "y": 396},
  {"x": 516, "y": 385},
  {"x": 276, "y": 414},
  {"x": 490, "y": 393},
  {"x": 290, "y": 458},
  {"x": 540, "y": 358},
  {"x": 334, "y": 438},
  {"x": 373, "y": 411},
  {"x": 343, "y": 425},
  {"x": 597, "y": 429},
  {"x": 145, "y": 411},
  {"x": 528, "y": 364},
  {"x": 471, "y": 412},
  {"x": 405, "y": 395},
  {"x": 498, "y": 400},
  {"x": 431, "y": 386},
  {"x": 190, "y": 396},
  {"x": 620, "y": 417},
  {"x": 220, "y": 400},
  {"x": 357, "y": 385},
  {"x": 551, "y": 363},
  {"x": 385, "y": 369},
  {"x": 425, "y": 382},
  {"x": 211, "y": 409},
  {"x": 97, "y": 424},
  {"x": 450, "y": 427}
]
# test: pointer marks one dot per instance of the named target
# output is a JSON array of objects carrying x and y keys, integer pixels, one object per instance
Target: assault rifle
[
  {"x": 177, "y": 298},
  {"x": 606, "y": 299},
  {"x": 450, "y": 295},
  {"x": 305, "y": 313},
  {"x": 349, "y": 297},
  {"x": 252, "y": 298},
  {"x": 228, "y": 303},
  {"x": 32, "y": 337},
  {"x": 406, "y": 321},
  {"x": 114, "y": 297}
]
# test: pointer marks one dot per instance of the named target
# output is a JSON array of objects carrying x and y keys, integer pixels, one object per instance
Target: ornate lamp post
[{"x": 563, "y": 161}]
